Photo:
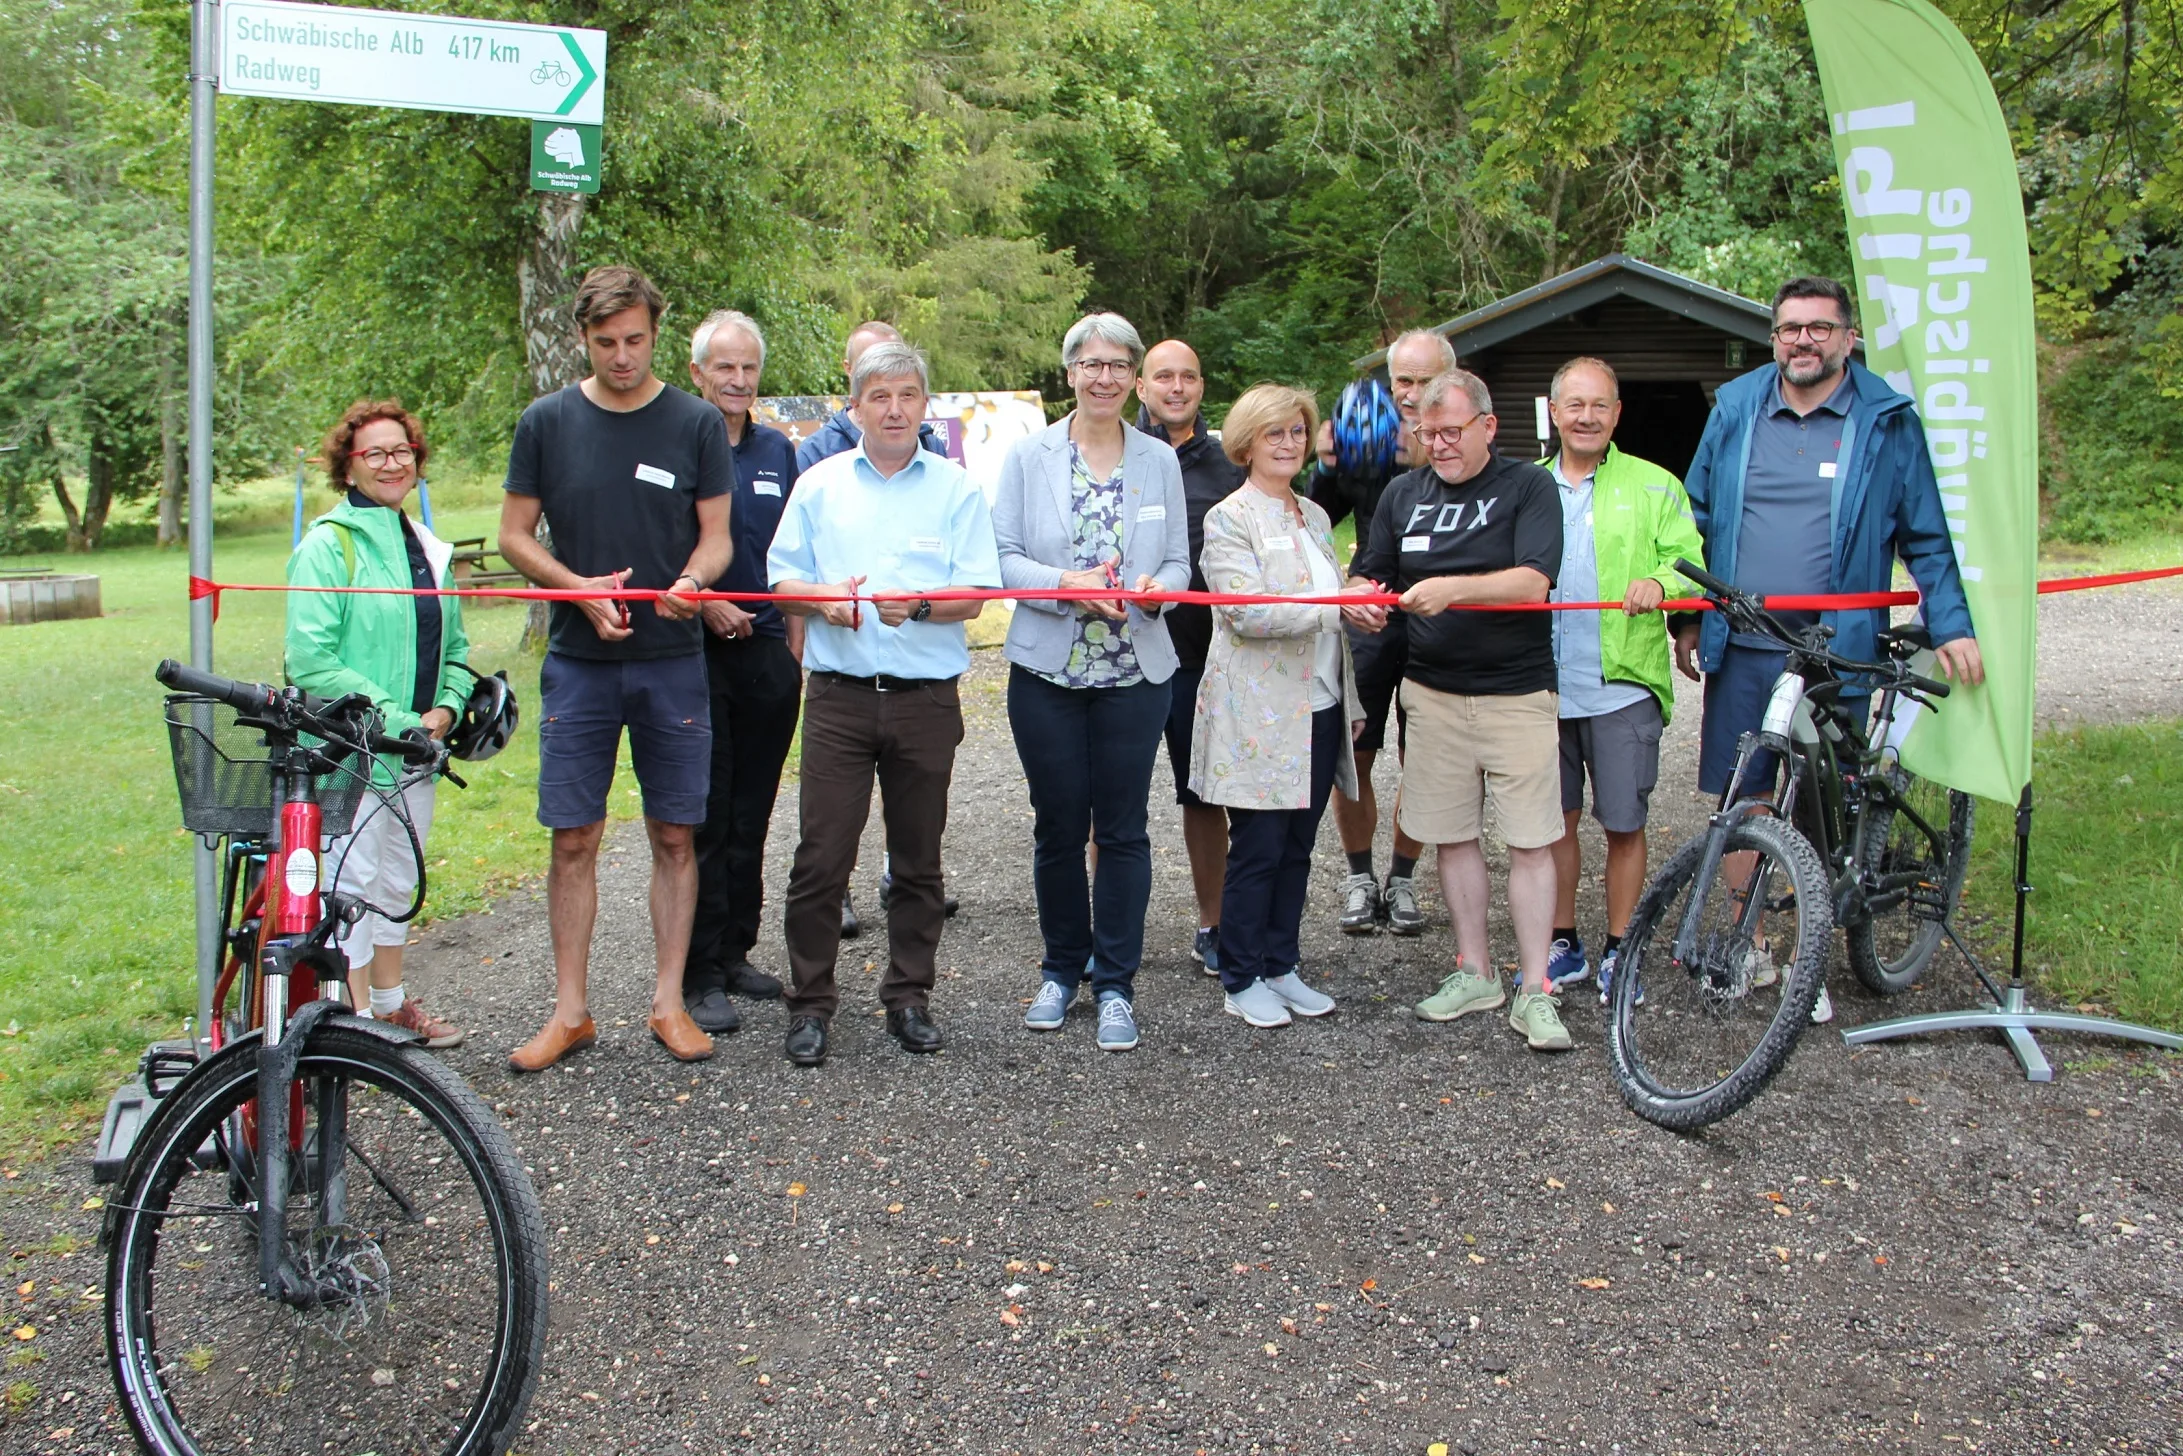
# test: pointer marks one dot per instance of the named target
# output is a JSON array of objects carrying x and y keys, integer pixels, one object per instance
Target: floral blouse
[{"x": 1102, "y": 655}]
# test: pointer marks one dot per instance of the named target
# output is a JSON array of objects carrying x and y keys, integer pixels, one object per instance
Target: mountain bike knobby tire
[
  {"x": 1889, "y": 950},
  {"x": 1647, "y": 951},
  {"x": 431, "y": 1342}
]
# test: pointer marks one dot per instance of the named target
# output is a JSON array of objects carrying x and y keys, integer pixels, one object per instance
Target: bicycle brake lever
[{"x": 454, "y": 778}]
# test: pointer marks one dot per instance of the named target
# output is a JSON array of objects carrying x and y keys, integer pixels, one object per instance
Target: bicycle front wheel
[
  {"x": 1691, "y": 1042},
  {"x": 1915, "y": 855},
  {"x": 409, "y": 1216}
]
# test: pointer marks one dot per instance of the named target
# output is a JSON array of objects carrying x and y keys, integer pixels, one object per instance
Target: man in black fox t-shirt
[
  {"x": 635, "y": 481},
  {"x": 1471, "y": 529}
]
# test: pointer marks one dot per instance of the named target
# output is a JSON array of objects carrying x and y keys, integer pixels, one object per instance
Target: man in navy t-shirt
[
  {"x": 752, "y": 657},
  {"x": 634, "y": 481}
]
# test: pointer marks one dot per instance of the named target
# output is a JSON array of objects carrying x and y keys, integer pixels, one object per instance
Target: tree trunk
[
  {"x": 98, "y": 498},
  {"x": 553, "y": 353},
  {"x": 170, "y": 451}
]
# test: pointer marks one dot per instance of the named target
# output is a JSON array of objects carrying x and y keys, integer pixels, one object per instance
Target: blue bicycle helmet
[{"x": 1367, "y": 429}]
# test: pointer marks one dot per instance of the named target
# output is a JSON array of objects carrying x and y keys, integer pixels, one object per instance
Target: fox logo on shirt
[{"x": 1449, "y": 517}]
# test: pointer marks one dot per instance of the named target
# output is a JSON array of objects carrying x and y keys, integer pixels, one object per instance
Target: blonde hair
[{"x": 1261, "y": 407}]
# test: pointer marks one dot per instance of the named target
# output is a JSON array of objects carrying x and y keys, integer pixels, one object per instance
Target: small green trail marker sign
[
  {"x": 421, "y": 62},
  {"x": 564, "y": 157}
]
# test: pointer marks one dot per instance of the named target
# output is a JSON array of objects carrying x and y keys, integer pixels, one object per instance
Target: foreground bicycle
[
  {"x": 1701, "y": 1016},
  {"x": 322, "y": 1240}
]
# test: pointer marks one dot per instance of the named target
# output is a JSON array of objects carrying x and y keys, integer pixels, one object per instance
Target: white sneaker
[
  {"x": 1299, "y": 997},
  {"x": 1823, "y": 1008},
  {"x": 1259, "y": 1004}
]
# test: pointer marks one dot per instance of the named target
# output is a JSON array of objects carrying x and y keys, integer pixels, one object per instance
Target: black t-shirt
[
  {"x": 621, "y": 490},
  {"x": 1506, "y": 515},
  {"x": 1208, "y": 478}
]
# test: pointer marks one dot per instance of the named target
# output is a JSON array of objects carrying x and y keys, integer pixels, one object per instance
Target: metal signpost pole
[{"x": 203, "y": 71}]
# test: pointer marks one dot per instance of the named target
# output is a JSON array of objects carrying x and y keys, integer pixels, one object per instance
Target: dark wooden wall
[{"x": 1669, "y": 366}]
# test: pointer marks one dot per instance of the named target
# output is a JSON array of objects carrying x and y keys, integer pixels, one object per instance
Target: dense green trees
[{"x": 1285, "y": 180}]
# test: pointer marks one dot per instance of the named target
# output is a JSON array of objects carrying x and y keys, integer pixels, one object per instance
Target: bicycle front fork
[
  {"x": 1732, "y": 811},
  {"x": 287, "y": 1031}
]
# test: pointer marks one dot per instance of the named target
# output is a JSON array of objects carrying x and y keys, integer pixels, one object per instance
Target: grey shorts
[{"x": 1621, "y": 751}]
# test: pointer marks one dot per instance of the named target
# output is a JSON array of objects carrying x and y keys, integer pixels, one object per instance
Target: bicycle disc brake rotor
[
  {"x": 348, "y": 1271},
  {"x": 1723, "y": 972}
]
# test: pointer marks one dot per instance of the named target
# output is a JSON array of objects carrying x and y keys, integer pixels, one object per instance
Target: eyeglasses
[
  {"x": 380, "y": 459},
  {"x": 1450, "y": 435},
  {"x": 1109, "y": 368},
  {"x": 1295, "y": 433},
  {"x": 1818, "y": 333}
]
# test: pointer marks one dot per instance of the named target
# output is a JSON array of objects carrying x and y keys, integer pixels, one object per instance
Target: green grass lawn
[
  {"x": 2105, "y": 927},
  {"x": 95, "y": 879}
]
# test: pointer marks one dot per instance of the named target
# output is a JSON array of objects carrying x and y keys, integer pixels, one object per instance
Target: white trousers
[{"x": 375, "y": 862}]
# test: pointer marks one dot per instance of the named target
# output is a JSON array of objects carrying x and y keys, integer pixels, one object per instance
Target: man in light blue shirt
[{"x": 885, "y": 522}]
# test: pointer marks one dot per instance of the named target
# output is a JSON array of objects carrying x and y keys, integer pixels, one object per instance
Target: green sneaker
[
  {"x": 1461, "y": 993},
  {"x": 1537, "y": 1017}
]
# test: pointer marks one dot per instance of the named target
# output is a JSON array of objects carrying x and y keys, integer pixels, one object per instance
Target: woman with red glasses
[{"x": 402, "y": 652}]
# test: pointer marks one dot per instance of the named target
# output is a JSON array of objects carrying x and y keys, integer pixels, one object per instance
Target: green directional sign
[
  {"x": 422, "y": 62},
  {"x": 564, "y": 157}
]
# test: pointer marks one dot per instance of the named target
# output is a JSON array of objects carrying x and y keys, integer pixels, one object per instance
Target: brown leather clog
[
  {"x": 556, "y": 1041},
  {"x": 679, "y": 1034}
]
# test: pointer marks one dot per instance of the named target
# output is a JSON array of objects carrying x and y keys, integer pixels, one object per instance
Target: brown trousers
[{"x": 908, "y": 738}]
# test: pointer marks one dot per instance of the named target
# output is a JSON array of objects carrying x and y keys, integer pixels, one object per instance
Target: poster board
[{"x": 979, "y": 428}]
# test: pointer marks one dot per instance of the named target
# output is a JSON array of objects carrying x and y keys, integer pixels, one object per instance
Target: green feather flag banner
[{"x": 1943, "y": 272}]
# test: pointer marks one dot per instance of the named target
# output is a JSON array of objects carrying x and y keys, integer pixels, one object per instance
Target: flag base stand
[{"x": 2011, "y": 1012}]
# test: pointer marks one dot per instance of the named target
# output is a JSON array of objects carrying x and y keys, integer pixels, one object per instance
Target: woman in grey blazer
[{"x": 1090, "y": 503}]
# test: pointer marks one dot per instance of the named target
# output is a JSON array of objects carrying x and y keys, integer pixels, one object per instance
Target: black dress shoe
[
  {"x": 911, "y": 1026},
  {"x": 745, "y": 979},
  {"x": 851, "y": 927},
  {"x": 712, "y": 1010},
  {"x": 806, "y": 1044}
]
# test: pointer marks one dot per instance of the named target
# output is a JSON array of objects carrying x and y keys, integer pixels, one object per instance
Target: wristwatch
[{"x": 924, "y": 610}]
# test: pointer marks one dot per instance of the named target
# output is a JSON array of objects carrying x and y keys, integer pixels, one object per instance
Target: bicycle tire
[
  {"x": 1891, "y": 949},
  {"x": 1646, "y": 964},
  {"x": 183, "y": 1363}
]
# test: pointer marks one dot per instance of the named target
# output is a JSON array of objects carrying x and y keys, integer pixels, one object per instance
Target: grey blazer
[{"x": 1035, "y": 528}]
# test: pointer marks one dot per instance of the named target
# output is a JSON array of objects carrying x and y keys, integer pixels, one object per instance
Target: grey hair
[
  {"x": 1439, "y": 341},
  {"x": 1585, "y": 361},
  {"x": 888, "y": 359},
  {"x": 1455, "y": 381},
  {"x": 1108, "y": 328},
  {"x": 726, "y": 318}
]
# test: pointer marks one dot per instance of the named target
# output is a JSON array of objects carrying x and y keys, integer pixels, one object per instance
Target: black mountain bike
[
  {"x": 321, "y": 1239},
  {"x": 1701, "y": 1015}
]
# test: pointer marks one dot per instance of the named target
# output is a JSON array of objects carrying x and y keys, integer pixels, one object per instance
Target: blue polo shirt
[
  {"x": 923, "y": 528},
  {"x": 765, "y": 474},
  {"x": 1785, "y": 540}
]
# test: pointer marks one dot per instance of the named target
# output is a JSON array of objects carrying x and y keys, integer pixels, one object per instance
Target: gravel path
[{"x": 1366, "y": 1234}]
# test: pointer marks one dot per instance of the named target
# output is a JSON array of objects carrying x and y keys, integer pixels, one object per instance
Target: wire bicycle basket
[{"x": 223, "y": 771}]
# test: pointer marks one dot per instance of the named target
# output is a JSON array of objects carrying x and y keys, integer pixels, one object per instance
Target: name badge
[
  {"x": 1826, "y": 470},
  {"x": 1280, "y": 543},
  {"x": 924, "y": 543},
  {"x": 1152, "y": 513},
  {"x": 765, "y": 487},
  {"x": 652, "y": 474},
  {"x": 1417, "y": 543}
]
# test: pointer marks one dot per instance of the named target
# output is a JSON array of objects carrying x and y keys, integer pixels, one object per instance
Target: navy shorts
[
  {"x": 1182, "y": 712},
  {"x": 1735, "y": 704},
  {"x": 583, "y": 706},
  {"x": 1380, "y": 659}
]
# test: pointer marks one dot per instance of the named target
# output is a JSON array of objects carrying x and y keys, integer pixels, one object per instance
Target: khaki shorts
[{"x": 1464, "y": 753}]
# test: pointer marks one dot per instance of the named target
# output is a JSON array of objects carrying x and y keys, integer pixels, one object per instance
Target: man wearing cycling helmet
[
  {"x": 1812, "y": 477},
  {"x": 1380, "y": 658}
]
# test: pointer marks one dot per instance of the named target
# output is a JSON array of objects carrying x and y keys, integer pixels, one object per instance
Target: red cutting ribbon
[{"x": 200, "y": 588}]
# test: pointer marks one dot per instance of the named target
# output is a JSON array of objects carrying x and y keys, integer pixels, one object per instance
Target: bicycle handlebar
[
  {"x": 253, "y": 698},
  {"x": 1749, "y": 610},
  {"x": 302, "y": 710}
]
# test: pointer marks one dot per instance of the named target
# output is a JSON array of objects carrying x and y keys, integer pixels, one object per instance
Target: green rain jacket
[
  {"x": 1641, "y": 522},
  {"x": 340, "y": 642}
]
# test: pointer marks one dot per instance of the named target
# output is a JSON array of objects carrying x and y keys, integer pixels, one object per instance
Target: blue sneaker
[
  {"x": 1565, "y": 964},
  {"x": 1608, "y": 964},
  {"x": 1050, "y": 1007},
  {"x": 1117, "y": 1023},
  {"x": 1205, "y": 950}
]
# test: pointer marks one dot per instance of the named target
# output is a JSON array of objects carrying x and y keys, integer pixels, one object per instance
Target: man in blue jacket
[{"x": 1812, "y": 477}]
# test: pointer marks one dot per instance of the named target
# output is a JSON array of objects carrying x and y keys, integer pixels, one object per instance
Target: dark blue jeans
[
  {"x": 1269, "y": 869},
  {"x": 1088, "y": 753}
]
